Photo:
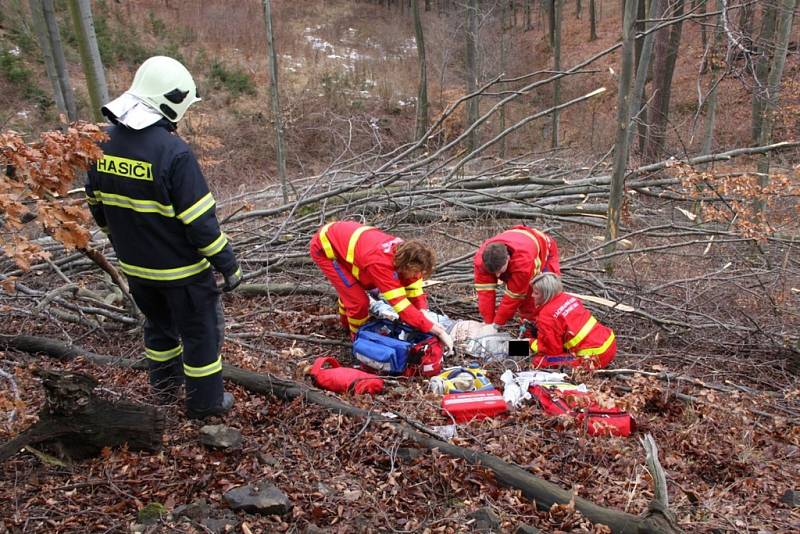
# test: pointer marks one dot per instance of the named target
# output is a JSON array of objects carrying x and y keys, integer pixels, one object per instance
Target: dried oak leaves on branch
[{"x": 34, "y": 183}]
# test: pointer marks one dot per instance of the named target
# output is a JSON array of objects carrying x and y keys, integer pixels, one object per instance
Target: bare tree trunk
[
  {"x": 280, "y": 153},
  {"x": 700, "y": 7},
  {"x": 42, "y": 36},
  {"x": 641, "y": 15},
  {"x": 60, "y": 62},
  {"x": 556, "y": 7},
  {"x": 578, "y": 9},
  {"x": 785, "y": 17},
  {"x": 551, "y": 17},
  {"x": 641, "y": 78},
  {"x": 527, "y": 15},
  {"x": 716, "y": 61},
  {"x": 81, "y": 11},
  {"x": 764, "y": 44},
  {"x": 666, "y": 54},
  {"x": 422, "y": 91},
  {"x": 471, "y": 29},
  {"x": 504, "y": 29},
  {"x": 623, "y": 123},
  {"x": 592, "y": 20}
]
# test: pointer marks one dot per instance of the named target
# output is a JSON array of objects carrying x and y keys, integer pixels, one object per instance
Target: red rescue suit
[
  {"x": 530, "y": 252},
  {"x": 569, "y": 335},
  {"x": 356, "y": 258}
]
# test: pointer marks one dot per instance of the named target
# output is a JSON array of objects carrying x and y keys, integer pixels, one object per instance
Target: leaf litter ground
[{"x": 728, "y": 456}]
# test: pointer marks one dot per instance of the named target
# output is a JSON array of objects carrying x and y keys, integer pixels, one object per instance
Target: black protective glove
[{"x": 232, "y": 280}]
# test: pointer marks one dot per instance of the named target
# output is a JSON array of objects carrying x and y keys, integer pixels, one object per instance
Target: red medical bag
[
  {"x": 344, "y": 379},
  {"x": 464, "y": 407},
  {"x": 596, "y": 419}
]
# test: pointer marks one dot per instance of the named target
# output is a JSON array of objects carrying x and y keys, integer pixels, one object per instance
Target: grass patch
[
  {"x": 233, "y": 79},
  {"x": 15, "y": 71}
]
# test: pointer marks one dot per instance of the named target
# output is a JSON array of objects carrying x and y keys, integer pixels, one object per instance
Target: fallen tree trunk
[
  {"x": 252, "y": 290},
  {"x": 657, "y": 519},
  {"x": 81, "y": 424}
]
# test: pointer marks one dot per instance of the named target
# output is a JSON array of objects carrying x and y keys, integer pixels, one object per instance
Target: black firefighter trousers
[{"x": 183, "y": 334}]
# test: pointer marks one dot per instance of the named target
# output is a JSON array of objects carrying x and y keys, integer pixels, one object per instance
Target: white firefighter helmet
[{"x": 165, "y": 85}]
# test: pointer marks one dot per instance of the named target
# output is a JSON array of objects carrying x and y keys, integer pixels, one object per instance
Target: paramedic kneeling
[
  {"x": 566, "y": 333},
  {"x": 356, "y": 258}
]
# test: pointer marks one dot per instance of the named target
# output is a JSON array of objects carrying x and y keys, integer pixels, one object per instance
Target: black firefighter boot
[{"x": 205, "y": 397}]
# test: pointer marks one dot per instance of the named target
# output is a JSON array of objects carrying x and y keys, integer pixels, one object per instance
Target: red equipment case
[{"x": 464, "y": 407}]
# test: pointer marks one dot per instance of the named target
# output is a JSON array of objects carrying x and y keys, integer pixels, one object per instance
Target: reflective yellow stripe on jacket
[
  {"x": 215, "y": 246},
  {"x": 351, "y": 246},
  {"x": 165, "y": 275},
  {"x": 397, "y": 298},
  {"x": 513, "y": 295},
  {"x": 537, "y": 262},
  {"x": 414, "y": 289},
  {"x": 582, "y": 333},
  {"x": 485, "y": 287},
  {"x": 197, "y": 209},
  {"x": 586, "y": 353},
  {"x": 136, "y": 204}
]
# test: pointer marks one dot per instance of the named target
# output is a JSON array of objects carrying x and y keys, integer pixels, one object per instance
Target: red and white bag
[{"x": 596, "y": 419}]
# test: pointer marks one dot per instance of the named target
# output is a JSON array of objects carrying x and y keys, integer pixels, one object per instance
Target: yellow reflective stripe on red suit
[
  {"x": 582, "y": 333},
  {"x": 537, "y": 263},
  {"x": 355, "y": 323},
  {"x": 326, "y": 243},
  {"x": 513, "y": 295},
  {"x": 587, "y": 353},
  {"x": 351, "y": 249},
  {"x": 414, "y": 289},
  {"x": 485, "y": 287}
]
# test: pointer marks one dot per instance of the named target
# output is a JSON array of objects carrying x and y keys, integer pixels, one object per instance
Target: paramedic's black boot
[{"x": 223, "y": 408}]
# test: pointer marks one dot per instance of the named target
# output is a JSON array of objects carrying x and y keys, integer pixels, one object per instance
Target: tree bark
[
  {"x": 422, "y": 90},
  {"x": 82, "y": 424},
  {"x": 623, "y": 124},
  {"x": 592, "y": 20},
  {"x": 785, "y": 18},
  {"x": 657, "y": 519},
  {"x": 716, "y": 62},
  {"x": 504, "y": 29},
  {"x": 556, "y": 6},
  {"x": 280, "y": 151},
  {"x": 667, "y": 42},
  {"x": 764, "y": 44},
  {"x": 62, "y": 74},
  {"x": 471, "y": 59},
  {"x": 81, "y": 11},
  {"x": 641, "y": 79},
  {"x": 527, "y": 11},
  {"x": 42, "y": 36}
]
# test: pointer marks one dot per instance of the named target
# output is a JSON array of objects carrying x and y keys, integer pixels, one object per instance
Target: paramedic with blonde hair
[{"x": 566, "y": 333}]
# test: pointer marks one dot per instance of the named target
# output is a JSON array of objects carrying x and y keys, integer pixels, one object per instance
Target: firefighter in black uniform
[{"x": 149, "y": 194}]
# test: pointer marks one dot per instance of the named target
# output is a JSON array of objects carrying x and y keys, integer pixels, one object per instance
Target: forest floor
[{"x": 728, "y": 457}]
